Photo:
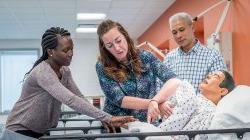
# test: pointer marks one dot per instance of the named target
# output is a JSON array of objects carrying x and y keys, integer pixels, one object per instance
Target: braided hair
[{"x": 50, "y": 41}]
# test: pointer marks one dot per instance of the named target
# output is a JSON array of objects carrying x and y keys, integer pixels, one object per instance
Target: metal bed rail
[
  {"x": 64, "y": 120},
  {"x": 76, "y": 120},
  {"x": 141, "y": 136},
  {"x": 69, "y": 113},
  {"x": 83, "y": 129}
]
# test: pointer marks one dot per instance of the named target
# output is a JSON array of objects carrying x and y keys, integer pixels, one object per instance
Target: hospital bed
[
  {"x": 141, "y": 136},
  {"x": 232, "y": 119},
  {"x": 76, "y": 124},
  {"x": 239, "y": 133}
]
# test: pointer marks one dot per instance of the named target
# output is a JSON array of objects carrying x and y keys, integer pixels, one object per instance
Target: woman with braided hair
[{"x": 49, "y": 84}]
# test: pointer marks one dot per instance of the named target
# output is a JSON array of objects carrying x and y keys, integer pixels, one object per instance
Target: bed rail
[{"x": 141, "y": 136}]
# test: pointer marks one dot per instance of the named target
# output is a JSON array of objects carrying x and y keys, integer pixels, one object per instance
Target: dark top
[{"x": 143, "y": 86}]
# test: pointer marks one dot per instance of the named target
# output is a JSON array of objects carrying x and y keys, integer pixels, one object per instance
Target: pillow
[
  {"x": 236, "y": 104},
  {"x": 232, "y": 112}
]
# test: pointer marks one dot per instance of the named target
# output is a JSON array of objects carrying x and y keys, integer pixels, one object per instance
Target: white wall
[
  {"x": 18, "y": 43},
  {"x": 82, "y": 66}
]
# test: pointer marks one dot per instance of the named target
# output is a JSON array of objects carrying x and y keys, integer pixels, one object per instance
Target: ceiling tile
[
  {"x": 128, "y": 3},
  {"x": 30, "y": 18},
  {"x": 21, "y": 3},
  {"x": 59, "y": 4}
]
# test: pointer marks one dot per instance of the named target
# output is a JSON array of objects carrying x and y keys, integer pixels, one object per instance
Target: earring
[{"x": 51, "y": 55}]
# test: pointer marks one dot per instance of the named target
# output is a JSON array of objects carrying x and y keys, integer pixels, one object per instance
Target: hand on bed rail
[
  {"x": 117, "y": 121},
  {"x": 109, "y": 128}
]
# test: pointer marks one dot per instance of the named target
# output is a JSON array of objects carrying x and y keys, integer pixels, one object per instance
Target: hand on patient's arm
[
  {"x": 165, "y": 109},
  {"x": 153, "y": 111}
]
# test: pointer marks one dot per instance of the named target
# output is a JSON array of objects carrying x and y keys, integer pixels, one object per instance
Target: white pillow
[
  {"x": 232, "y": 112},
  {"x": 236, "y": 104}
]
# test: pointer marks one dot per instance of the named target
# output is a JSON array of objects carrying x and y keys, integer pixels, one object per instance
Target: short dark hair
[{"x": 228, "y": 81}]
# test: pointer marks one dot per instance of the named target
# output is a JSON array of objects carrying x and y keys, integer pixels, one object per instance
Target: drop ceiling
[{"x": 28, "y": 19}]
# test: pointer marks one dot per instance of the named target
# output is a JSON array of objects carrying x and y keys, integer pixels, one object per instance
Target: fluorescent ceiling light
[
  {"x": 90, "y": 16},
  {"x": 86, "y": 30}
]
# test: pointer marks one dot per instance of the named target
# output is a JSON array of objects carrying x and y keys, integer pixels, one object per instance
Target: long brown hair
[{"x": 112, "y": 67}]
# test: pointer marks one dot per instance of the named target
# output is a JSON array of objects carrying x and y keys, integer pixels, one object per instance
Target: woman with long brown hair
[{"x": 127, "y": 75}]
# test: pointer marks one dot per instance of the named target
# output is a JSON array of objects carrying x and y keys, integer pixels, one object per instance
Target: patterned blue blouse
[{"x": 143, "y": 86}]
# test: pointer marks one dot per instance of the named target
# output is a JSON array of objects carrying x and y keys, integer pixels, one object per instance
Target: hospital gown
[{"x": 191, "y": 111}]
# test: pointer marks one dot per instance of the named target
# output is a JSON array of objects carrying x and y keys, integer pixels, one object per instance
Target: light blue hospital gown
[{"x": 191, "y": 111}]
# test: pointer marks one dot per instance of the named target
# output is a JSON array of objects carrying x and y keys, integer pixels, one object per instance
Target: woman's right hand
[{"x": 117, "y": 121}]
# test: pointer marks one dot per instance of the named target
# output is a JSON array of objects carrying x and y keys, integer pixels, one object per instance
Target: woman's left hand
[{"x": 166, "y": 109}]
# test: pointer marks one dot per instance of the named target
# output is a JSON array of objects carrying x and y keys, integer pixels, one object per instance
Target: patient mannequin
[{"x": 190, "y": 111}]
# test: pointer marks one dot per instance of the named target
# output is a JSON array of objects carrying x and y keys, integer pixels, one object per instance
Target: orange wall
[
  {"x": 241, "y": 40},
  {"x": 236, "y": 22}
]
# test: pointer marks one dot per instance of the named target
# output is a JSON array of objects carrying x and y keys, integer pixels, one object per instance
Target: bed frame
[{"x": 141, "y": 136}]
